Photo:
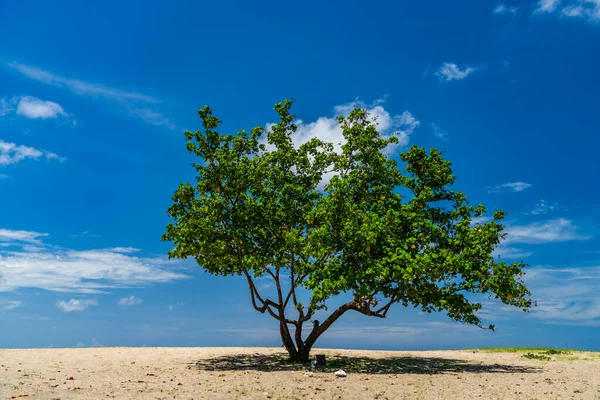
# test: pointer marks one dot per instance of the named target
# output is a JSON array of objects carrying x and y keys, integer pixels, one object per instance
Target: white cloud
[
  {"x": 76, "y": 271},
  {"x": 76, "y": 304},
  {"x": 3, "y": 176},
  {"x": 36, "y": 318},
  {"x": 6, "y": 107},
  {"x": 10, "y": 305},
  {"x": 86, "y": 234},
  {"x": 437, "y": 131},
  {"x": 451, "y": 72},
  {"x": 544, "y": 207},
  {"x": 123, "y": 250},
  {"x": 511, "y": 253},
  {"x": 410, "y": 332},
  {"x": 7, "y": 235},
  {"x": 130, "y": 301},
  {"x": 136, "y": 104},
  {"x": 510, "y": 186},
  {"x": 34, "y": 108},
  {"x": 566, "y": 295},
  {"x": 11, "y": 153},
  {"x": 551, "y": 231},
  {"x": 502, "y": 9},
  {"x": 547, "y": 6},
  {"x": 171, "y": 307},
  {"x": 153, "y": 117},
  {"x": 588, "y": 10},
  {"x": 77, "y": 86},
  {"x": 328, "y": 128}
]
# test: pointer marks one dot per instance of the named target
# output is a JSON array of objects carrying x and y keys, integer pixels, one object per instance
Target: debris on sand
[{"x": 341, "y": 374}]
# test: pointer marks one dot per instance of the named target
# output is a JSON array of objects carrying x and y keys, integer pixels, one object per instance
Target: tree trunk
[
  {"x": 300, "y": 352},
  {"x": 304, "y": 355},
  {"x": 301, "y": 355}
]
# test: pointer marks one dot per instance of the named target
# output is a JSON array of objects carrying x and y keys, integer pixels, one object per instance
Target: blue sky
[{"x": 95, "y": 96}]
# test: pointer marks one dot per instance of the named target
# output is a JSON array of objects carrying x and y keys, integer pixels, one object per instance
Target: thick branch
[
  {"x": 318, "y": 329},
  {"x": 266, "y": 304}
]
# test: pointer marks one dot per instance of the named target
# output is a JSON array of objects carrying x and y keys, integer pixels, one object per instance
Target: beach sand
[{"x": 260, "y": 373}]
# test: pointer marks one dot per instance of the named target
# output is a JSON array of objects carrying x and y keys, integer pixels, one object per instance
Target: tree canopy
[{"x": 347, "y": 222}]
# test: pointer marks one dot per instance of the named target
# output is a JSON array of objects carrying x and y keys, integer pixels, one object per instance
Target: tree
[{"x": 262, "y": 207}]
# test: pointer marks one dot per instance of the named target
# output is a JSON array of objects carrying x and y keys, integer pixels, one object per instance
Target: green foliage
[
  {"x": 258, "y": 208},
  {"x": 556, "y": 352},
  {"x": 533, "y": 356}
]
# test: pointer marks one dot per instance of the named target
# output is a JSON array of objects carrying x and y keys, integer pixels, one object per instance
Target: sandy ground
[{"x": 260, "y": 373}]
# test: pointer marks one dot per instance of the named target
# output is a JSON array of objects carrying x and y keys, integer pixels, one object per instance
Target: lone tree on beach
[{"x": 321, "y": 223}]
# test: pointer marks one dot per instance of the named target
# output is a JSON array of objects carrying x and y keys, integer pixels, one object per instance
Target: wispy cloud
[
  {"x": 511, "y": 253},
  {"x": 76, "y": 304},
  {"x": 586, "y": 10},
  {"x": 75, "y": 271},
  {"x": 543, "y": 207},
  {"x": 11, "y": 153},
  {"x": 509, "y": 187},
  {"x": 86, "y": 234},
  {"x": 452, "y": 72},
  {"x": 130, "y": 301},
  {"x": 153, "y": 117},
  {"x": 503, "y": 9},
  {"x": 437, "y": 131},
  {"x": 10, "y": 305},
  {"x": 136, "y": 104},
  {"x": 547, "y": 6},
  {"x": 35, "y": 318},
  {"x": 566, "y": 295},
  {"x": 551, "y": 231},
  {"x": 7, "y": 235},
  {"x": 410, "y": 332},
  {"x": 6, "y": 106},
  {"x": 77, "y": 86}
]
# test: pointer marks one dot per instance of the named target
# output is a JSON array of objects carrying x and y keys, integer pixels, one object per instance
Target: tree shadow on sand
[{"x": 390, "y": 365}]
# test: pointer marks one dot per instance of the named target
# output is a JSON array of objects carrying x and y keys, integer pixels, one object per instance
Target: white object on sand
[
  {"x": 341, "y": 374},
  {"x": 309, "y": 373}
]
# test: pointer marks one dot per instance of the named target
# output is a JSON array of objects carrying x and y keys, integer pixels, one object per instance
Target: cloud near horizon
[{"x": 75, "y": 271}]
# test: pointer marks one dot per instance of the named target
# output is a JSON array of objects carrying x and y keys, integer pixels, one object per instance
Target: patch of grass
[
  {"x": 556, "y": 352},
  {"x": 548, "y": 350},
  {"x": 533, "y": 356}
]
